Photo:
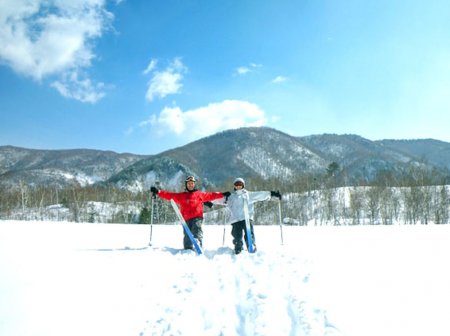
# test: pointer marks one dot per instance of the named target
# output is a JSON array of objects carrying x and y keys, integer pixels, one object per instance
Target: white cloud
[
  {"x": 129, "y": 131},
  {"x": 243, "y": 70},
  {"x": 151, "y": 66},
  {"x": 84, "y": 90},
  {"x": 165, "y": 82},
  {"x": 279, "y": 79},
  {"x": 44, "y": 38},
  {"x": 255, "y": 65},
  {"x": 210, "y": 119}
]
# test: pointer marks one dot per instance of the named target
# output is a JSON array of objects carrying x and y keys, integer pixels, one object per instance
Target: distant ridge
[{"x": 253, "y": 152}]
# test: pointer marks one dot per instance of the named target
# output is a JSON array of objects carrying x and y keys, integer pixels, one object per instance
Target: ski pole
[
  {"x": 224, "y": 222},
  {"x": 281, "y": 224},
  {"x": 225, "y": 209},
  {"x": 151, "y": 218}
]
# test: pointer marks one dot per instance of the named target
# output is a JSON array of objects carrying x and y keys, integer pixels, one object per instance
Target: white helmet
[{"x": 239, "y": 179}]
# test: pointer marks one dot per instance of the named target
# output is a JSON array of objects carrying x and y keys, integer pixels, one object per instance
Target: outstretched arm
[
  {"x": 167, "y": 195},
  {"x": 211, "y": 196},
  {"x": 256, "y": 196}
]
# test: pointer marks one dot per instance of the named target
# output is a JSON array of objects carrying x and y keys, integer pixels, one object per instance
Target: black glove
[
  {"x": 209, "y": 204},
  {"x": 154, "y": 191},
  {"x": 226, "y": 194},
  {"x": 275, "y": 194}
]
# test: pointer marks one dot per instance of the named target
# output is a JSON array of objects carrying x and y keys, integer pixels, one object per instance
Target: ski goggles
[
  {"x": 190, "y": 179},
  {"x": 238, "y": 183}
]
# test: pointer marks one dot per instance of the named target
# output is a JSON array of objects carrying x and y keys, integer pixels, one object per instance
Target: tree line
[{"x": 415, "y": 196}]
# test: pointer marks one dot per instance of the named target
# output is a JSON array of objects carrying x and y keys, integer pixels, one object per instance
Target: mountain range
[{"x": 255, "y": 152}]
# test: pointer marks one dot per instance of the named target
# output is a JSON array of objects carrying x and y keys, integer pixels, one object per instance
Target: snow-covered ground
[{"x": 103, "y": 279}]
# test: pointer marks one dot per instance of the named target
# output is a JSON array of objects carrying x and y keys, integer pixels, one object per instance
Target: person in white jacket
[{"x": 235, "y": 203}]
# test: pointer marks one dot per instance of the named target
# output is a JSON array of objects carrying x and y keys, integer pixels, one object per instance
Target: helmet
[
  {"x": 190, "y": 178},
  {"x": 239, "y": 180}
]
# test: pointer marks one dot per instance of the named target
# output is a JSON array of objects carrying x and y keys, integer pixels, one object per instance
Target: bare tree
[
  {"x": 373, "y": 195},
  {"x": 442, "y": 202},
  {"x": 357, "y": 205}
]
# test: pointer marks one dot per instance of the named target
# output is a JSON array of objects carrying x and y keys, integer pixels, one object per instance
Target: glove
[
  {"x": 154, "y": 191},
  {"x": 226, "y": 194},
  {"x": 209, "y": 204},
  {"x": 275, "y": 194}
]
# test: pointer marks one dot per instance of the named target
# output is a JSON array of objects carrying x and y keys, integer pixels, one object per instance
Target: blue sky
[{"x": 144, "y": 76}]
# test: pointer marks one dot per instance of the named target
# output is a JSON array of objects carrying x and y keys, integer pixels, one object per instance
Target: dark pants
[
  {"x": 238, "y": 231},
  {"x": 195, "y": 225}
]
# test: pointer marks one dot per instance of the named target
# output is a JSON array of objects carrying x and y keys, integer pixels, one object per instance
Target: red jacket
[{"x": 191, "y": 202}]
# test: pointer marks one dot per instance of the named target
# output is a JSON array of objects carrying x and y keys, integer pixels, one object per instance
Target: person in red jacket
[{"x": 191, "y": 207}]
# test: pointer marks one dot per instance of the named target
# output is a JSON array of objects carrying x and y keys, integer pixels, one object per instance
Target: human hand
[
  {"x": 275, "y": 194},
  {"x": 154, "y": 191}
]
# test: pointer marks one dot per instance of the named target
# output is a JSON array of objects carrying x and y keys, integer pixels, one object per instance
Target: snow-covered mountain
[
  {"x": 250, "y": 152},
  {"x": 426, "y": 150},
  {"x": 265, "y": 153},
  {"x": 254, "y": 153},
  {"x": 60, "y": 167},
  {"x": 362, "y": 159}
]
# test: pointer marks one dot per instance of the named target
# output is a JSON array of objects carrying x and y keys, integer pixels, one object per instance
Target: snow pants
[
  {"x": 195, "y": 225},
  {"x": 238, "y": 231}
]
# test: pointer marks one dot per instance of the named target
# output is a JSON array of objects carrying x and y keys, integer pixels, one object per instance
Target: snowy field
[{"x": 103, "y": 279}]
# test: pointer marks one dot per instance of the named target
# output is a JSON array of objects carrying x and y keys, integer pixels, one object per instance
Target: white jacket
[{"x": 235, "y": 203}]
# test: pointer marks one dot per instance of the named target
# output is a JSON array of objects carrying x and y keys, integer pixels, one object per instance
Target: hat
[{"x": 239, "y": 179}]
